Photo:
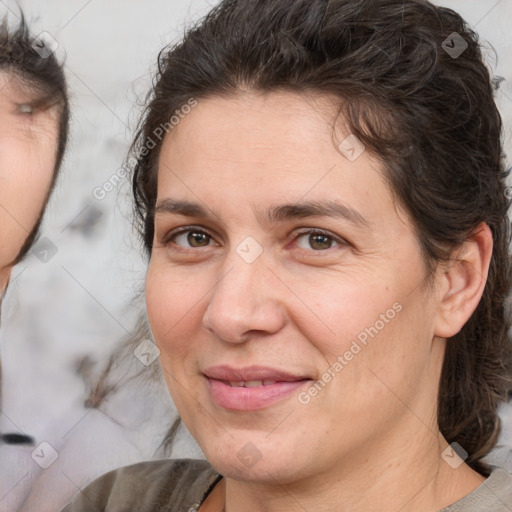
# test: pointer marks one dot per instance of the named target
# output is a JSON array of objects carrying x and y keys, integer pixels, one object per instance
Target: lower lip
[{"x": 251, "y": 399}]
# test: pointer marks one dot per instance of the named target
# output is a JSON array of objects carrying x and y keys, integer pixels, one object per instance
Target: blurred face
[
  {"x": 28, "y": 145},
  {"x": 285, "y": 292}
]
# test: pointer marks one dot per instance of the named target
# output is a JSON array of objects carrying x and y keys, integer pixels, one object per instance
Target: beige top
[{"x": 182, "y": 485}]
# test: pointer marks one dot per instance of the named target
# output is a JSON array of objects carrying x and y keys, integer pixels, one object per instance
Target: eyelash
[{"x": 312, "y": 231}]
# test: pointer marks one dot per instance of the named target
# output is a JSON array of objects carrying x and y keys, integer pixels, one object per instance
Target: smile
[{"x": 251, "y": 388}]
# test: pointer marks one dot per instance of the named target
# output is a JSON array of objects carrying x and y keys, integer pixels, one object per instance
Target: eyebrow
[{"x": 275, "y": 214}]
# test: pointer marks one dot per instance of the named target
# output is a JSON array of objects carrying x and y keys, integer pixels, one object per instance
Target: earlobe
[{"x": 462, "y": 282}]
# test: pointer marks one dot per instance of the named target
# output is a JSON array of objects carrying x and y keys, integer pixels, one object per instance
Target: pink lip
[{"x": 251, "y": 398}]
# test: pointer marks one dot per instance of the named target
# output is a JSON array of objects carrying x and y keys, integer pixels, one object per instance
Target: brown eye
[
  {"x": 190, "y": 238},
  {"x": 318, "y": 241},
  {"x": 197, "y": 239}
]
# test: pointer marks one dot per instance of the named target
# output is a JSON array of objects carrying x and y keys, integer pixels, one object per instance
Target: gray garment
[
  {"x": 493, "y": 495},
  {"x": 156, "y": 486},
  {"x": 182, "y": 485}
]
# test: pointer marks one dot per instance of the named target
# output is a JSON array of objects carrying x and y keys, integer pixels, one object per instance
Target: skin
[
  {"x": 28, "y": 146},
  {"x": 369, "y": 440}
]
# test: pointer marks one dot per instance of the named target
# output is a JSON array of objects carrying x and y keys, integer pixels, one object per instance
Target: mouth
[
  {"x": 251, "y": 383},
  {"x": 251, "y": 388}
]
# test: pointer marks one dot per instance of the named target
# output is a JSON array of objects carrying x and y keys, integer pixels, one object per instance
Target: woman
[{"x": 320, "y": 189}]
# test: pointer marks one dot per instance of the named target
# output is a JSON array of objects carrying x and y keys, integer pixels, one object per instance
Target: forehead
[
  {"x": 246, "y": 135},
  {"x": 255, "y": 122},
  {"x": 261, "y": 147}
]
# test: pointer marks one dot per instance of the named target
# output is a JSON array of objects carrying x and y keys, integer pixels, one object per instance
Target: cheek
[
  {"x": 173, "y": 304},
  {"x": 174, "y": 317},
  {"x": 335, "y": 310},
  {"x": 25, "y": 177},
  {"x": 374, "y": 335}
]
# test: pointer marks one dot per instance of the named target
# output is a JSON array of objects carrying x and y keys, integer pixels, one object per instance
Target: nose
[{"x": 245, "y": 302}]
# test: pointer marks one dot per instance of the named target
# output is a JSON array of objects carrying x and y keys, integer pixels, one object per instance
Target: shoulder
[
  {"x": 499, "y": 486},
  {"x": 494, "y": 494},
  {"x": 148, "y": 486}
]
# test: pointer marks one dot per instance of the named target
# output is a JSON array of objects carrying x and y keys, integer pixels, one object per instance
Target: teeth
[{"x": 251, "y": 383}]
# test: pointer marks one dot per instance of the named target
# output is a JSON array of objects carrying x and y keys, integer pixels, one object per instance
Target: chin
[
  {"x": 257, "y": 461},
  {"x": 262, "y": 471}
]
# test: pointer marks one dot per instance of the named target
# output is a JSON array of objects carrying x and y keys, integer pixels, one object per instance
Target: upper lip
[{"x": 250, "y": 373}]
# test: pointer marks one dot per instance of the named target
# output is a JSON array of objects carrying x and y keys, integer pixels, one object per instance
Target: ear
[{"x": 461, "y": 282}]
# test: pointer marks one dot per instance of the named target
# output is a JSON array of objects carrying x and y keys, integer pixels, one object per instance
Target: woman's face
[
  {"x": 250, "y": 306},
  {"x": 28, "y": 145}
]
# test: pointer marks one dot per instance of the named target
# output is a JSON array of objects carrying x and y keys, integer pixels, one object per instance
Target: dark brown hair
[
  {"x": 44, "y": 77},
  {"x": 429, "y": 115}
]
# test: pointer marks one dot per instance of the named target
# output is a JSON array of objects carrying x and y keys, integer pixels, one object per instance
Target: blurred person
[
  {"x": 34, "y": 119},
  {"x": 323, "y": 207}
]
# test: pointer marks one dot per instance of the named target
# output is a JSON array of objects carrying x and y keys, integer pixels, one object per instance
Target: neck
[{"x": 407, "y": 473}]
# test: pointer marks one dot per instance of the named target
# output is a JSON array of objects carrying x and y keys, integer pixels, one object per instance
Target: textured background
[{"x": 69, "y": 312}]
